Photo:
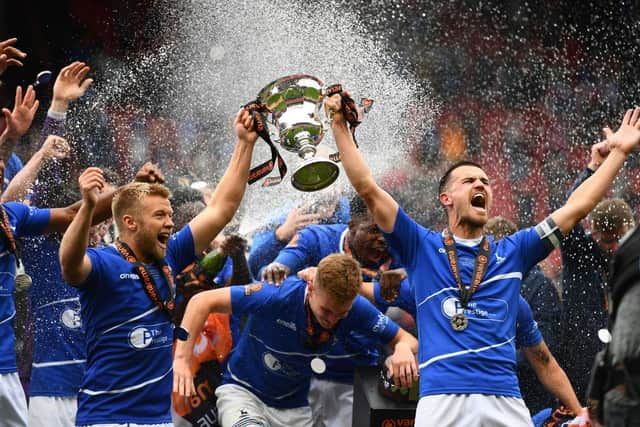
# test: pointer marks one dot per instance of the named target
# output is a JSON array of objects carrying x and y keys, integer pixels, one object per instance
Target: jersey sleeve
[
  {"x": 95, "y": 277},
  {"x": 300, "y": 252},
  {"x": 254, "y": 298},
  {"x": 536, "y": 243},
  {"x": 27, "y": 221},
  {"x": 181, "y": 249},
  {"x": 367, "y": 319},
  {"x": 404, "y": 239},
  {"x": 527, "y": 332}
]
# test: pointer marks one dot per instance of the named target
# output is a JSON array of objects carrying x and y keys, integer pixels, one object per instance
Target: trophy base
[{"x": 315, "y": 174}]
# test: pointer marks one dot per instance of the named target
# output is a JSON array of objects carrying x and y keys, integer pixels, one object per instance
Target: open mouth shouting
[
  {"x": 479, "y": 202},
  {"x": 163, "y": 239}
]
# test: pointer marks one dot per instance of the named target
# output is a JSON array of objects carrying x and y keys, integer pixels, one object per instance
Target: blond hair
[
  {"x": 340, "y": 276},
  {"x": 611, "y": 215},
  {"x": 128, "y": 199}
]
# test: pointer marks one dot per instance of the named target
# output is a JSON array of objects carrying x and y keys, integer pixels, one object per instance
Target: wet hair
[
  {"x": 185, "y": 212},
  {"x": 444, "y": 181},
  {"x": 499, "y": 227},
  {"x": 611, "y": 215},
  {"x": 340, "y": 276},
  {"x": 128, "y": 198},
  {"x": 358, "y": 211}
]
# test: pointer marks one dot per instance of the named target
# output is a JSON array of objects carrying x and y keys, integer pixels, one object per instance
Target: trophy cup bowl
[{"x": 295, "y": 105}]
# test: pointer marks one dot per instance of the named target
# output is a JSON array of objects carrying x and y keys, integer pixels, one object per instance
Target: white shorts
[
  {"x": 478, "y": 410},
  {"x": 52, "y": 411},
  {"x": 13, "y": 403},
  {"x": 331, "y": 403},
  {"x": 238, "y": 407}
]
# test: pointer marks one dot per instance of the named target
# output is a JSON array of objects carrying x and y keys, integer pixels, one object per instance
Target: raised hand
[
  {"x": 627, "y": 137},
  {"x": 150, "y": 173},
  {"x": 20, "y": 118},
  {"x": 296, "y": 220},
  {"x": 70, "y": 85},
  {"x": 243, "y": 126},
  {"x": 10, "y": 55},
  {"x": 390, "y": 283},
  {"x": 55, "y": 147},
  {"x": 91, "y": 184},
  {"x": 599, "y": 152},
  {"x": 275, "y": 273}
]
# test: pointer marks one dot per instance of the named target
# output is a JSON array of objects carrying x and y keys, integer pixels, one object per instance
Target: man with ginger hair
[
  {"x": 289, "y": 334},
  {"x": 127, "y": 292}
]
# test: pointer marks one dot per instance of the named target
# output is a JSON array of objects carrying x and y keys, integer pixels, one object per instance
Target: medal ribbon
[
  {"x": 259, "y": 113},
  {"x": 479, "y": 269},
  {"x": 315, "y": 340},
  {"x": 168, "y": 306},
  {"x": 5, "y": 226}
]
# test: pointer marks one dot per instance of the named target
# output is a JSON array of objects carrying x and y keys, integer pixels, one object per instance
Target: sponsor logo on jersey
[
  {"x": 381, "y": 323},
  {"x": 70, "y": 319},
  {"x": 133, "y": 276},
  {"x": 271, "y": 362},
  {"x": 485, "y": 309},
  {"x": 143, "y": 336},
  {"x": 252, "y": 289},
  {"x": 290, "y": 325},
  {"x": 500, "y": 259}
]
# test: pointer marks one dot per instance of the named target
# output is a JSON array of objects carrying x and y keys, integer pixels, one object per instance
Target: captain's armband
[{"x": 549, "y": 233}]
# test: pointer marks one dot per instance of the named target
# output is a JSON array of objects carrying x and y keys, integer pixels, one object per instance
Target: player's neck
[{"x": 465, "y": 230}]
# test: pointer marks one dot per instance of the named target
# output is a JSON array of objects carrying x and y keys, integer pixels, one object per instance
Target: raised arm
[
  {"x": 229, "y": 192},
  {"x": 74, "y": 261},
  {"x": 18, "y": 120},
  {"x": 383, "y": 207},
  {"x": 54, "y": 147},
  {"x": 198, "y": 309},
  {"x": 594, "y": 188},
  {"x": 551, "y": 375}
]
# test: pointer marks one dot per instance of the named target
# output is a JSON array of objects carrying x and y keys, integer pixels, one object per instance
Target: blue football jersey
[
  {"x": 480, "y": 359},
  {"x": 24, "y": 221},
  {"x": 58, "y": 336},
  {"x": 272, "y": 358},
  {"x": 128, "y": 339}
]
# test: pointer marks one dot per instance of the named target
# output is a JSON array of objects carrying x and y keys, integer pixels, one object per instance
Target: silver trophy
[{"x": 298, "y": 122}]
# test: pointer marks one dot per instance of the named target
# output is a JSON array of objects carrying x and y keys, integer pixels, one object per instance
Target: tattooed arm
[{"x": 551, "y": 375}]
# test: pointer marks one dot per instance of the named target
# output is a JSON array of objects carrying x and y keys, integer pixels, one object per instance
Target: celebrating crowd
[{"x": 145, "y": 310}]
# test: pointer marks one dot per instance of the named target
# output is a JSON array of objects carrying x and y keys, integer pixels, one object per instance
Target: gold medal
[{"x": 459, "y": 322}]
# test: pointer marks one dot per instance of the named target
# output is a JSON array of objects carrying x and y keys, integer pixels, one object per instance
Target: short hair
[
  {"x": 358, "y": 210},
  {"x": 444, "y": 181},
  {"x": 499, "y": 227},
  {"x": 184, "y": 194},
  {"x": 185, "y": 212},
  {"x": 611, "y": 215},
  {"x": 340, "y": 276},
  {"x": 128, "y": 198}
]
